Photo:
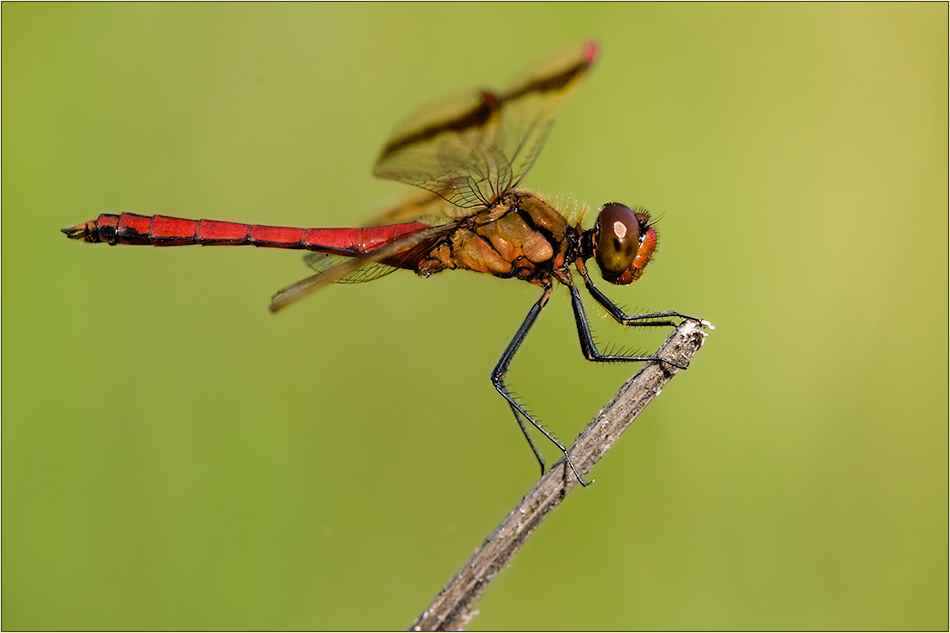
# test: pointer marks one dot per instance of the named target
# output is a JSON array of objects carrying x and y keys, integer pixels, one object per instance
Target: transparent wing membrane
[
  {"x": 471, "y": 149},
  {"x": 422, "y": 206},
  {"x": 343, "y": 267},
  {"x": 370, "y": 271}
]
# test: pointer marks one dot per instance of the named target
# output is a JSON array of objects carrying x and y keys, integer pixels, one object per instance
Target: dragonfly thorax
[
  {"x": 622, "y": 242},
  {"x": 519, "y": 236}
]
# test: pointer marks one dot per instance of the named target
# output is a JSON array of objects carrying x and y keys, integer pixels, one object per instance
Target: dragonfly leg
[
  {"x": 527, "y": 436},
  {"x": 654, "y": 319},
  {"x": 498, "y": 379},
  {"x": 589, "y": 348}
]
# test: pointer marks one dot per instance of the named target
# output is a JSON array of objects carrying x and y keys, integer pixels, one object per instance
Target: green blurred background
[{"x": 175, "y": 457}]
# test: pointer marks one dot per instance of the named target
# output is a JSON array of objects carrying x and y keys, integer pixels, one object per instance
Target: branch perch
[{"x": 451, "y": 610}]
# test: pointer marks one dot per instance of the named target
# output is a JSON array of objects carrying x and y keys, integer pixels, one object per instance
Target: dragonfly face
[
  {"x": 623, "y": 242},
  {"x": 469, "y": 153}
]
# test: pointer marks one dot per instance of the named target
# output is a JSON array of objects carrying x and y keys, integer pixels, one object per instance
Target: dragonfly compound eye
[{"x": 617, "y": 242}]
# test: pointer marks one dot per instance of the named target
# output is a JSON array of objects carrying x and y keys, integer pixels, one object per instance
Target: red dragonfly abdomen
[{"x": 160, "y": 230}]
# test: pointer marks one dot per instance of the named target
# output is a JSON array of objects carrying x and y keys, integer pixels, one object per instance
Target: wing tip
[{"x": 591, "y": 51}]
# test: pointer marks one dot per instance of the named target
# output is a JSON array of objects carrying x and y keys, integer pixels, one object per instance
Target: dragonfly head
[{"x": 622, "y": 242}]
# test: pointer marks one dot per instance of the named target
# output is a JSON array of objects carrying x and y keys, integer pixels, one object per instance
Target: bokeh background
[{"x": 175, "y": 457}]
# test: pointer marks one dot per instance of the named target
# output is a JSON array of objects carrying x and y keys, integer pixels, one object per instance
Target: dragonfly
[{"x": 468, "y": 154}]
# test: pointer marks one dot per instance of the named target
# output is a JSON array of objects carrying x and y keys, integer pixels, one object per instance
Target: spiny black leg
[
  {"x": 640, "y": 320},
  {"x": 498, "y": 374},
  {"x": 534, "y": 448},
  {"x": 589, "y": 348},
  {"x": 498, "y": 379}
]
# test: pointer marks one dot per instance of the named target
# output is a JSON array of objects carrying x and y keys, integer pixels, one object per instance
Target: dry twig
[{"x": 451, "y": 610}]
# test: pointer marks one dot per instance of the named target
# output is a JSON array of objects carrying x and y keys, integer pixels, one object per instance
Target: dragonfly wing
[
  {"x": 470, "y": 149},
  {"x": 371, "y": 271},
  {"x": 438, "y": 148},
  {"x": 348, "y": 270},
  {"x": 532, "y": 104},
  {"x": 422, "y": 206}
]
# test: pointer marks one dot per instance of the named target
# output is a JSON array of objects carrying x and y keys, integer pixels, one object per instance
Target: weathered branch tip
[{"x": 451, "y": 610}]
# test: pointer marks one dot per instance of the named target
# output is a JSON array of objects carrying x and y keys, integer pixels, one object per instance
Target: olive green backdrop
[{"x": 175, "y": 457}]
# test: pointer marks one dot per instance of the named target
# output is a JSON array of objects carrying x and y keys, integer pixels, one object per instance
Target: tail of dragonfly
[{"x": 160, "y": 230}]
